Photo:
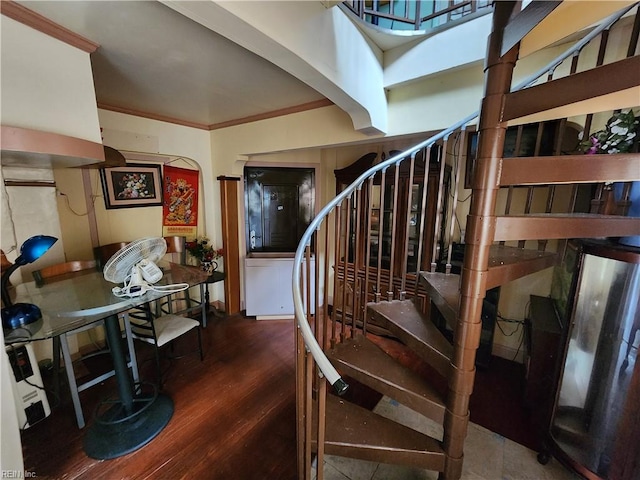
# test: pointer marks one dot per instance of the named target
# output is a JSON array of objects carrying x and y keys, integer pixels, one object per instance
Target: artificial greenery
[
  {"x": 202, "y": 250},
  {"x": 618, "y": 136}
]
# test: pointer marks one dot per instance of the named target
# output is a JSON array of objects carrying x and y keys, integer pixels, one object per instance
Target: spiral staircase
[{"x": 502, "y": 244}]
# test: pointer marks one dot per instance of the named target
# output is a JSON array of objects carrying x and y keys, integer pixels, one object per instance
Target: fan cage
[{"x": 119, "y": 266}]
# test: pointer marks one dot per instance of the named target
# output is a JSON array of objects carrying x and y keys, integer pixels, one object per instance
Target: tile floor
[{"x": 488, "y": 456}]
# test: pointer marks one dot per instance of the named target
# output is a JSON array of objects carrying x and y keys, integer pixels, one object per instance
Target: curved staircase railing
[{"x": 311, "y": 344}]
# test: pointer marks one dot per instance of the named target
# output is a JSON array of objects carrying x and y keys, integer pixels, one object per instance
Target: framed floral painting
[{"x": 135, "y": 185}]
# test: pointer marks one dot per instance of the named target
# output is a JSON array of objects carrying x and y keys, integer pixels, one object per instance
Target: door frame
[{"x": 319, "y": 202}]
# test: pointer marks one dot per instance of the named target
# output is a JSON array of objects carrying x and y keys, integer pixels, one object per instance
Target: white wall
[
  {"x": 451, "y": 49},
  {"x": 42, "y": 77},
  {"x": 319, "y": 46},
  {"x": 29, "y": 211},
  {"x": 126, "y": 132}
]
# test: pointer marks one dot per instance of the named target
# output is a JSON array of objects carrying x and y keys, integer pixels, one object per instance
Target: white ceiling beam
[{"x": 319, "y": 46}]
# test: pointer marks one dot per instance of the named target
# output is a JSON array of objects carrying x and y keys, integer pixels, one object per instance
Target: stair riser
[{"x": 437, "y": 360}]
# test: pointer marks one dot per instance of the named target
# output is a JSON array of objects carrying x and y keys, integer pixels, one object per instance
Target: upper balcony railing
[{"x": 416, "y": 15}]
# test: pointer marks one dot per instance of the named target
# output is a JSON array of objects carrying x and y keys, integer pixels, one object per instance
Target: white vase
[{"x": 209, "y": 267}]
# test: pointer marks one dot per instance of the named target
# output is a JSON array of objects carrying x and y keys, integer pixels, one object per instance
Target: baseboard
[
  {"x": 274, "y": 317},
  {"x": 508, "y": 353},
  {"x": 218, "y": 305}
]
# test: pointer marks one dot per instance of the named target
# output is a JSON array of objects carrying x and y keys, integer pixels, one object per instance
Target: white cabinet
[{"x": 268, "y": 285}]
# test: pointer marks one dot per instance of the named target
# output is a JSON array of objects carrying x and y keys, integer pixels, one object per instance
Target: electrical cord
[
  {"x": 134, "y": 286},
  {"x": 138, "y": 289},
  {"x": 519, "y": 326},
  {"x": 68, "y": 203},
  {"x": 519, "y": 345},
  {"x": 25, "y": 379}
]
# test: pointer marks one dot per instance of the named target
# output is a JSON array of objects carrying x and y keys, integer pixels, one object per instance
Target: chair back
[
  {"x": 50, "y": 273},
  {"x": 4, "y": 261},
  {"x": 103, "y": 253},
  {"x": 176, "y": 248},
  {"x": 4, "y": 264},
  {"x": 141, "y": 321}
]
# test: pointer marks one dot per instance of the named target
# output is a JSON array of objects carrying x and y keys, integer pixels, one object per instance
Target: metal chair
[
  {"x": 168, "y": 322},
  {"x": 103, "y": 253},
  {"x": 59, "y": 272},
  {"x": 182, "y": 302},
  {"x": 159, "y": 331}
]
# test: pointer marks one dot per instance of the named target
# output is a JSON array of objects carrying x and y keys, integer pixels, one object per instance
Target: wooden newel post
[{"x": 230, "y": 242}]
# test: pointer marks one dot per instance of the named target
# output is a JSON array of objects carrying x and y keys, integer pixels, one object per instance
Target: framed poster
[
  {"x": 180, "y": 201},
  {"x": 135, "y": 185}
]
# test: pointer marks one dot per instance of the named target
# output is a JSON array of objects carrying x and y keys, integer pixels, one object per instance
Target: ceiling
[{"x": 157, "y": 63}]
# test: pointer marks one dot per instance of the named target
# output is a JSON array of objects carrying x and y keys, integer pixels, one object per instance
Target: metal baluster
[
  {"x": 345, "y": 283},
  {"x": 436, "y": 239},
  {"x": 407, "y": 228},
  {"x": 426, "y": 157},
  {"x": 383, "y": 186},
  {"x": 394, "y": 224},
  {"x": 367, "y": 258},
  {"x": 456, "y": 181},
  {"x": 325, "y": 285},
  {"x": 355, "y": 315},
  {"x": 336, "y": 261}
]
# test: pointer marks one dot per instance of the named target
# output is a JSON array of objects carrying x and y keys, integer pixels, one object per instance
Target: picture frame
[{"x": 134, "y": 185}]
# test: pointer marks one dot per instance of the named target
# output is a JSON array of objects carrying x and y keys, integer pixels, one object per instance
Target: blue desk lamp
[{"x": 20, "y": 314}]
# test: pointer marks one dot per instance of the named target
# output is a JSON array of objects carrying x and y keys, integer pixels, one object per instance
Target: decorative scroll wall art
[{"x": 180, "y": 201}]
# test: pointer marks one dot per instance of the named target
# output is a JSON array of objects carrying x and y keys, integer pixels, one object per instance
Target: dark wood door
[
  {"x": 279, "y": 207},
  {"x": 280, "y": 213}
]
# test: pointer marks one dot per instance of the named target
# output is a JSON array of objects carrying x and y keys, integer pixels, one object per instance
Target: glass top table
[
  {"x": 86, "y": 297},
  {"x": 136, "y": 416}
]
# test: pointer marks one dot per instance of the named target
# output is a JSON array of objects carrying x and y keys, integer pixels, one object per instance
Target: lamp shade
[
  {"x": 33, "y": 248},
  {"x": 20, "y": 314}
]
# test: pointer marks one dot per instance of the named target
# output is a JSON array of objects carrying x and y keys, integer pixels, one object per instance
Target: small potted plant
[{"x": 202, "y": 250}]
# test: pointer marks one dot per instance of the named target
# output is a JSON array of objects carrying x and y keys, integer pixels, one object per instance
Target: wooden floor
[
  {"x": 235, "y": 411},
  {"x": 234, "y": 414}
]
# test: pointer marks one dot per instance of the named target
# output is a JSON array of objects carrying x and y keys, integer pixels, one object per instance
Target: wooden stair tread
[
  {"x": 364, "y": 361},
  {"x": 551, "y": 226},
  {"x": 505, "y": 264},
  {"x": 556, "y": 169},
  {"x": 355, "y": 432},
  {"x": 443, "y": 290},
  {"x": 403, "y": 319}
]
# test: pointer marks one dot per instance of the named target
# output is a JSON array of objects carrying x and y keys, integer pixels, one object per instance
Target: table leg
[
  {"x": 206, "y": 296},
  {"x": 204, "y": 293},
  {"x": 133, "y": 419},
  {"x": 56, "y": 366}
]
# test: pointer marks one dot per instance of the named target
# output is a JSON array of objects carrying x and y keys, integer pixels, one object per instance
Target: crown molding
[{"x": 21, "y": 14}]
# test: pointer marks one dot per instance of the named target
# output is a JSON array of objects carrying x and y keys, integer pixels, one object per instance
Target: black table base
[
  {"x": 110, "y": 436},
  {"x": 133, "y": 418}
]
